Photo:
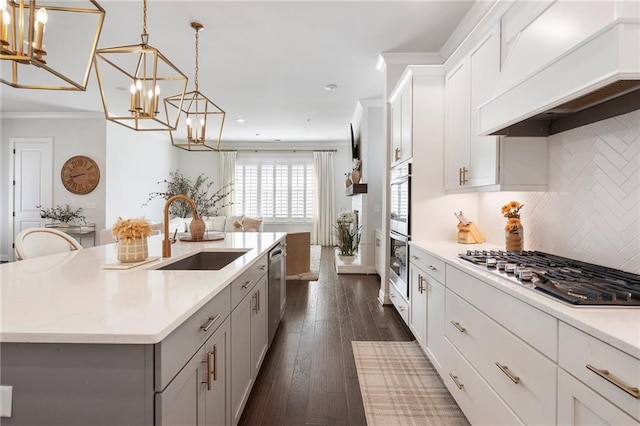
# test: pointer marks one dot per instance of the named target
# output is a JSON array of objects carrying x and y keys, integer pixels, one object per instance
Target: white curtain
[
  {"x": 228, "y": 175},
  {"x": 324, "y": 216}
]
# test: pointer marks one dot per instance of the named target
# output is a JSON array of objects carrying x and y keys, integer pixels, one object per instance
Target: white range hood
[{"x": 577, "y": 63}]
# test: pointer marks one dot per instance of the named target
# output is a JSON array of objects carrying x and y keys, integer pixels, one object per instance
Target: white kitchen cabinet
[
  {"x": 435, "y": 322},
  {"x": 401, "y": 107},
  {"x": 426, "y": 313},
  {"x": 418, "y": 309},
  {"x": 484, "y": 69},
  {"x": 579, "y": 405},
  {"x": 249, "y": 344},
  {"x": 611, "y": 373},
  {"x": 488, "y": 163},
  {"x": 457, "y": 126},
  {"x": 399, "y": 302},
  {"x": 199, "y": 394}
]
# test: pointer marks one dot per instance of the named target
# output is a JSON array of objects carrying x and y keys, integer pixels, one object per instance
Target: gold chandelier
[
  {"x": 202, "y": 114},
  {"x": 143, "y": 73},
  {"x": 54, "y": 60}
]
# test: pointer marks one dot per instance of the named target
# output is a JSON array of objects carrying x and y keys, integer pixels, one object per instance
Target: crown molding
[{"x": 407, "y": 58}]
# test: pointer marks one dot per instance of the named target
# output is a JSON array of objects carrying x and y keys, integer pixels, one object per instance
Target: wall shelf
[{"x": 356, "y": 188}]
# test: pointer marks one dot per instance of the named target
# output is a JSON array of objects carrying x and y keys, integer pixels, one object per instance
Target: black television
[{"x": 355, "y": 143}]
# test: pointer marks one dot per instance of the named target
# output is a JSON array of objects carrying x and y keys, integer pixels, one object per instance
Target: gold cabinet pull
[
  {"x": 247, "y": 284},
  {"x": 209, "y": 363},
  {"x": 456, "y": 381},
  {"x": 420, "y": 280},
  {"x": 215, "y": 362},
  {"x": 206, "y": 326},
  {"x": 433, "y": 268},
  {"x": 414, "y": 257},
  {"x": 263, "y": 267},
  {"x": 258, "y": 299},
  {"x": 633, "y": 391},
  {"x": 515, "y": 379},
  {"x": 458, "y": 326}
]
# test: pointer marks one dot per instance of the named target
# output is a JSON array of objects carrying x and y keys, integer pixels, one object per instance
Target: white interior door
[{"x": 33, "y": 180}]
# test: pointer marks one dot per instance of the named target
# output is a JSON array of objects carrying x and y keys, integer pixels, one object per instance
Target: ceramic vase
[
  {"x": 514, "y": 240},
  {"x": 135, "y": 250},
  {"x": 197, "y": 228},
  {"x": 355, "y": 176},
  {"x": 346, "y": 260}
]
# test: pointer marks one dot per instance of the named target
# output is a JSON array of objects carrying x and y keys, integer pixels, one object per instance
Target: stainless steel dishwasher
[{"x": 276, "y": 276}]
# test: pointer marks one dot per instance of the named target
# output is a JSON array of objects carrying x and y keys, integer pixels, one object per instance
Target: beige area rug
[
  {"x": 314, "y": 273},
  {"x": 400, "y": 386}
]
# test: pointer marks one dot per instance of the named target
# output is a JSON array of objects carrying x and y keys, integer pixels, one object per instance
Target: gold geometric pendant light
[
  {"x": 58, "y": 59},
  {"x": 202, "y": 116},
  {"x": 132, "y": 80}
]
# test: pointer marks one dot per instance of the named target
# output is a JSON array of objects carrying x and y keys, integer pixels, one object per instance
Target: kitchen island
[{"x": 82, "y": 344}]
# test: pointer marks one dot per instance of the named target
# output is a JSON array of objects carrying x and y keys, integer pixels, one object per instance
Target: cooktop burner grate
[{"x": 572, "y": 281}]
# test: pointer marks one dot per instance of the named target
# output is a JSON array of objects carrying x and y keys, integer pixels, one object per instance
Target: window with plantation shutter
[{"x": 276, "y": 190}]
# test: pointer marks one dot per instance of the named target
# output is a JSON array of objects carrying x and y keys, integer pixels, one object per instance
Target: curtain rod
[{"x": 278, "y": 150}]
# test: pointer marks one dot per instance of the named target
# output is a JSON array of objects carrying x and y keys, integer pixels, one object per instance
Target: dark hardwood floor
[{"x": 309, "y": 376}]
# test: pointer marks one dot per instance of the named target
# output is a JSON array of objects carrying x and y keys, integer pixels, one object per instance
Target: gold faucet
[{"x": 166, "y": 243}]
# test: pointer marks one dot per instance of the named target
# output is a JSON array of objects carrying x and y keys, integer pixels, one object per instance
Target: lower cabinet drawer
[
  {"x": 580, "y": 405},
  {"x": 519, "y": 374},
  {"x": 477, "y": 400},
  {"x": 176, "y": 349},
  {"x": 608, "y": 371},
  {"x": 242, "y": 285},
  {"x": 400, "y": 303}
]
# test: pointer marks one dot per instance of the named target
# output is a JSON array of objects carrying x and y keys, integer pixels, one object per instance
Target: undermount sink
[{"x": 205, "y": 261}]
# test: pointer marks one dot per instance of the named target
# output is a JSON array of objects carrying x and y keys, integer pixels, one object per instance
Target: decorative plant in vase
[
  {"x": 514, "y": 230},
  {"x": 198, "y": 190},
  {"x": 348, "y": 234},
  {"x": 131, "y": 235},
  {"x": 62, "y": 214}
]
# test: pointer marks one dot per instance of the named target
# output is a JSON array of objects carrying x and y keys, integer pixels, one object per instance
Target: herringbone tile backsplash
[{"x": 592, "y": 209}]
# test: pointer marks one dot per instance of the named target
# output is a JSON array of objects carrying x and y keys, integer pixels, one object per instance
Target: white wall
[
  {"x": 80, "y": 134},
  {"x": 591, "y": 211},
  {"x": 136, "y": 162}
]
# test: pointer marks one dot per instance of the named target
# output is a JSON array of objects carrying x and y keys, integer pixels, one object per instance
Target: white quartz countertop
[
  {"x": 617, "y": 326},
  {"x": 70, "y": 298}
]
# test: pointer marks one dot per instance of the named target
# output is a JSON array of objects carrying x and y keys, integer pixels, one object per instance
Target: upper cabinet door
[
  {"x": 396, "y": 130},
  {"x": 484, "y": 70},
  {"x": 406, "y": 145},
  {"x": 457, "y": 124}
]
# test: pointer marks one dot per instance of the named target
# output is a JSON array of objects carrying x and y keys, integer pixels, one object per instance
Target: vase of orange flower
[
  {"x": 131, "y": 235},
  {"x": 514, "y": 237}
]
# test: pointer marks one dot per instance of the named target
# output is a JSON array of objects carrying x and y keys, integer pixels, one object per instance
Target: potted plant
[
  {"x": 348, "y": 235},
  {"x": 62, "y": 214},
  {"x": 131, "y": 235},
  {"x": 198, "y": 190}
]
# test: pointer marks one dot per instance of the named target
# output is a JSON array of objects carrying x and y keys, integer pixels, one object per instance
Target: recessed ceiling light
[
  {"x": 239, "y": 120},
  {"x": 330, "y": 87}
]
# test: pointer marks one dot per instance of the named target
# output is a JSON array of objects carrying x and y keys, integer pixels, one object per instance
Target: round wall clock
[{"x": 80, "y": 174}]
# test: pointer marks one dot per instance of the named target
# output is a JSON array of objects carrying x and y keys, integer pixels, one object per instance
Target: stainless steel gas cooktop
[{"x": 571, "y": 281}]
